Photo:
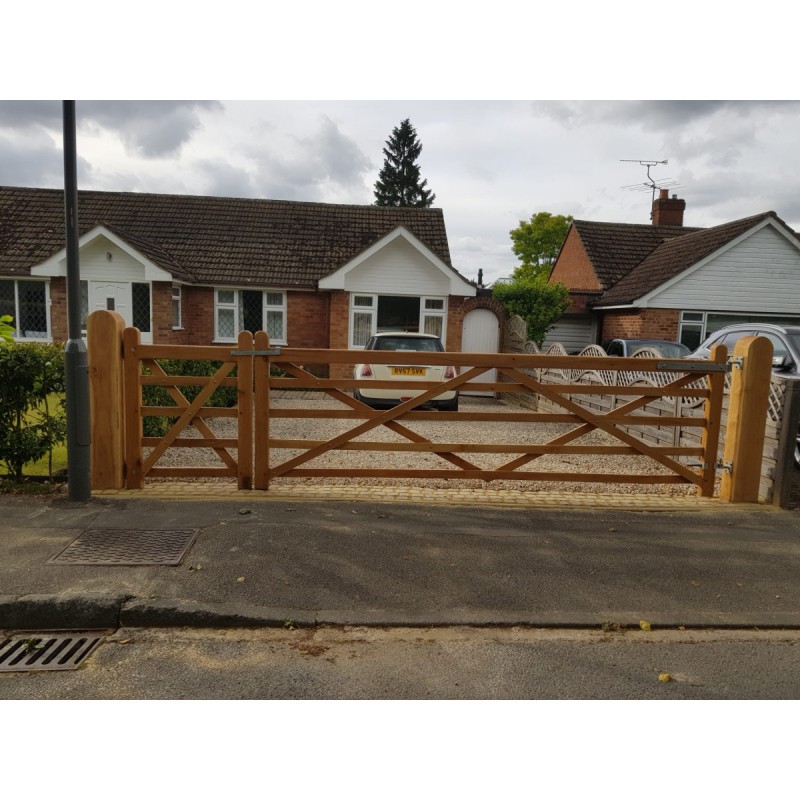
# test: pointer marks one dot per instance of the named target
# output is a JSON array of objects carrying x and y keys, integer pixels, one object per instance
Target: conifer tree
[{"x": 398, "y": 182}]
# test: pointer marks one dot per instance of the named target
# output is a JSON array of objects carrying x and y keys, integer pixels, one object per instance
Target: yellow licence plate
[{"x": 418, "y": 371}]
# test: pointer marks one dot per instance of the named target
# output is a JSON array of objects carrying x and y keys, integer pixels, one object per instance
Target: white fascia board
[
  {"x": 56, "y": 267},
  {"x": 645, "y": 300},
  {"x": 458, "y": 286},
  {"x": 613, "y": 308}
]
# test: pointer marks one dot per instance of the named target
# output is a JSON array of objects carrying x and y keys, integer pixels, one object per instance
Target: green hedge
[
  {"x": 223, "y": 397},
  {"x": 32, "y": 413}
]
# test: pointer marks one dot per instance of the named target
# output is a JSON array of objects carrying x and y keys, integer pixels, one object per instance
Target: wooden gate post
[
  {"x": 244, "y": 403},
  {"x": 106, "y": 398},
  {"x": 261, "y": 369},
  {"x": 747, "y": 418},
  {"x": 134, "y": 477}
]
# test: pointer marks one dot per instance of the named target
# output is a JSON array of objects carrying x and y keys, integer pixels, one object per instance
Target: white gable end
[
  {"x": 758, "y": 274},
  {"x": 398, "y": 264},
  {"x": 397, "y": 268},
  {"x": 124, "y": 264}
]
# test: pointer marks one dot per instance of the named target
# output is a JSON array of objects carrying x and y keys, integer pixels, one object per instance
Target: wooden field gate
[{"x": 123, "y": 457}]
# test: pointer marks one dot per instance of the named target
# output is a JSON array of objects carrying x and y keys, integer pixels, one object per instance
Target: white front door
[
  {"x": 480, "y": 334},
  {"x": 115, "y": 296}
]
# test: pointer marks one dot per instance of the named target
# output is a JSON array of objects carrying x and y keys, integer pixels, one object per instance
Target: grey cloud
[
  {"x": 337, "y": 157},
  {"x": 309, "y": 168},
  {"x": 226, "y": 180},
  {"x": 655, "y": 115},
  {"x": 22, "y": 115},
  {"x": 151, "y": 128},
  {"x": 35, "y": 161}
]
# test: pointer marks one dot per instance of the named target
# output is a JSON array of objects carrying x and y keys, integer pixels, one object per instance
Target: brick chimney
[{"x": 668, "y": 210}]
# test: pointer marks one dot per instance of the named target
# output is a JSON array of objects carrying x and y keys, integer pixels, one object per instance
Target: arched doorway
[{"x": 481, "y": 334}]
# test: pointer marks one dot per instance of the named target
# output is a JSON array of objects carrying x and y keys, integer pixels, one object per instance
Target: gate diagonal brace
[
  {"x": 586, "y": 428},
  {"x": 188, "y": 415},
  {"x": 604, "y": 422},
  {"x": 376, "y": 419},
  {"x": 181, "y": 404}
]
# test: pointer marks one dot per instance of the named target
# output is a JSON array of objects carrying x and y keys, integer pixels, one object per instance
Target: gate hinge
[
  {"x": 725, "y": 466},
  {"x": 736, "y": 362}
]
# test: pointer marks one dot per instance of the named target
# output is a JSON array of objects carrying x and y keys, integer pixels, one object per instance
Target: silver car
[{"x": 785, "y": 350}]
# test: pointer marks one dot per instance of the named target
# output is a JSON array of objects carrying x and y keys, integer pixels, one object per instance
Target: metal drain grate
[
  {"x": 46, "y": 651},
  {"x": 114, "y": 547}
]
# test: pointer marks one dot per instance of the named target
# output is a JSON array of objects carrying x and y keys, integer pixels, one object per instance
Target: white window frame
[
  {"x": 47, "y": 304},
  {"x": 701, "y": 321},
  {"x": 370, "y": 310},
  {"x": 235, "y": 307},
  {"x": 177, "y": 297},
  {"x": 433, "y": 313}
]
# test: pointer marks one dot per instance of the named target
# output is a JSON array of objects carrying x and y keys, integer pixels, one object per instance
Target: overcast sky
[{"x": 490, "y": 162}]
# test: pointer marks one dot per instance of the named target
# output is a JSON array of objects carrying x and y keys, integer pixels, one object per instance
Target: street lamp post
[{"x": 76, "y": 362}]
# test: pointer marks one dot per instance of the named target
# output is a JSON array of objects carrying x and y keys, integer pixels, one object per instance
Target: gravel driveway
[{"x": 444, "y": 431}]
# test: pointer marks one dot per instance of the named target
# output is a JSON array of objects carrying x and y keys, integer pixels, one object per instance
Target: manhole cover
[
  {"x": 46, "y": 651},
  {"x": 110, "y": 546}
]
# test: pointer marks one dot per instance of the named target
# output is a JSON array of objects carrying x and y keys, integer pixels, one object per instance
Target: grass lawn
[{"x": 40, "y": 468}]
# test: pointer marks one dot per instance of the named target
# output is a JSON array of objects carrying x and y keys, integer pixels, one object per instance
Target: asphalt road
[{"x": 425, "y": 663}]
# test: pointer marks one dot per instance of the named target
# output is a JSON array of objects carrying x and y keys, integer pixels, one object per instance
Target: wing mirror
[{"x": 781, "y": 362}]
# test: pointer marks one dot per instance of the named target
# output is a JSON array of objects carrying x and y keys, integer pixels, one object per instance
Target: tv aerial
[{"x": 650, "y": 184}]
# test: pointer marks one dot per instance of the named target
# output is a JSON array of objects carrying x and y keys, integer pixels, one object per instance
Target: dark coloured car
[{"x": 627, "y": 347}]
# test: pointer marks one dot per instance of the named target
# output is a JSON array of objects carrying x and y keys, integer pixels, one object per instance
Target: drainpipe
[{"x": 76, "y": 362}]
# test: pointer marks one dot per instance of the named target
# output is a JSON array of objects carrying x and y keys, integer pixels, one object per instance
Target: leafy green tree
[
  {"x": 398, "y": 182},
  {"x": 537, "y": 243},
  {"x": 539, "y": 303}
]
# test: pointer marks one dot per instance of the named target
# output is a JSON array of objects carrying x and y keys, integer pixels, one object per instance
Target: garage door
[
  {"x": 574, "y": 332},
  {"x": 481, "y": 334}
]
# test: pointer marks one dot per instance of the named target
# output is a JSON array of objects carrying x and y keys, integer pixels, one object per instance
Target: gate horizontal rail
[{"x": 255, "y": 369}]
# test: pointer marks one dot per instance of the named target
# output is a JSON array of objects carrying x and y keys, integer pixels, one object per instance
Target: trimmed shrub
[{"x": 32, "y": 413}]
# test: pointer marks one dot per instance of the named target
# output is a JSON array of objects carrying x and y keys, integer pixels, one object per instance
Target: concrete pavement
[{"x": 294, "y": 560}]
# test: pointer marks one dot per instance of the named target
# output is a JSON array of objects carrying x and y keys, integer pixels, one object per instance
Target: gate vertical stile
[
  {"x": 134, "y": 477},
  {"x": 244, "y": 405},
  {"x": 261, "y": 386},
  {"x": 713, "y": 418}
]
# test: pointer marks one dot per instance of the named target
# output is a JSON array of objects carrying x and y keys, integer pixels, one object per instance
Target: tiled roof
[
  {"x": 673, "y": 256},
  {"x": 615, "y": 248},
  {"x": 212, "y": 239}
]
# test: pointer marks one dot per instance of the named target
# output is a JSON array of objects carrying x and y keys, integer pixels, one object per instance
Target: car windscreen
[
  {"x": 669, "y": 350},
  {"x": 408, "y": 343}
]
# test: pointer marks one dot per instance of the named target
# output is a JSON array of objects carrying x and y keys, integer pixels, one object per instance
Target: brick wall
[
  {"x": 573, "y": 267},
  {"x": 338, "y": 327},
  {"x": 645, "y": 323},
  {"x": 198, "y": 314},
  {"x": 459, "y": 307},
  {"x": 163, "y": 333},
  {"x": 58, "y": 309},
  {"x": 307, "y": 319}
]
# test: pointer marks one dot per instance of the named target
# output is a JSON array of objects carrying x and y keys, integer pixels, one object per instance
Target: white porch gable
[
  {"x": 126, "y": 263},
  {"x": 398, "y": 264}
]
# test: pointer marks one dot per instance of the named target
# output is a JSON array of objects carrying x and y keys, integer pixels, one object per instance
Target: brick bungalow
[
  {"x": 668, "y": 281},
  {"x": 197, "y": 270}
]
